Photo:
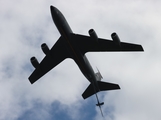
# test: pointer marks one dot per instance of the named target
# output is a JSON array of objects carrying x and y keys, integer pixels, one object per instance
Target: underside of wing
[
  {"x": 89, "y": 44},
  {"x": 89, "y": 92},
  {"x": 57, "y": 54}
]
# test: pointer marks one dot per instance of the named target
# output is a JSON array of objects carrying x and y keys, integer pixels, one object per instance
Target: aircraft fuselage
[
  {"x": 74, "y": 46},
  {"x": 76, "y": 54}
]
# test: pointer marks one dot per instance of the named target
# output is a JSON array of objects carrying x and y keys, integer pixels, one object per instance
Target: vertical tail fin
[{"x": 98, "y": 75}]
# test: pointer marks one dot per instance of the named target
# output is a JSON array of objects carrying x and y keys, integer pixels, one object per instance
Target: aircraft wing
[
  {"x": 58, "y": 53},
  {"x": 87, "y": 44}
]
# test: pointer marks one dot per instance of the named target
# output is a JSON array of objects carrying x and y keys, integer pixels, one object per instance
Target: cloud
[{"x": 25, "y": 25}]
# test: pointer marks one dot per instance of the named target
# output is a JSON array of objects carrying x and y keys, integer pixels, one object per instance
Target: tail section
[
  {"x": 88, "y": 92},
  {"x": 103, "y": 86}
]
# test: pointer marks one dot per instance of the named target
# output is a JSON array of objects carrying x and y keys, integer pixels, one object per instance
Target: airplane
[{"x": 74, "y": 46}]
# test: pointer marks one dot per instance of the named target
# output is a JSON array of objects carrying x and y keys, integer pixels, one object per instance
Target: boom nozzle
[{"x": 100, "y": 104}]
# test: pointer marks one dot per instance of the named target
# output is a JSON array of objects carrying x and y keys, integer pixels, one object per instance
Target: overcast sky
[{"x": 26, "y": 24}]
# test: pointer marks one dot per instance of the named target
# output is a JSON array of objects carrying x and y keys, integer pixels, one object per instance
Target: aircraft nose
[
  {"x": 52, "y": 8},
  {"x": 54, "y": 11}
]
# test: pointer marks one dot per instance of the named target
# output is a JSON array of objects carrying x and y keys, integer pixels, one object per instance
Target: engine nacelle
[
  {"x": 116, "y": 39},
  {"x": 93, "y": 35},
  {"x": 35, "y": 62},
  {"x": 45, "y": 48}
]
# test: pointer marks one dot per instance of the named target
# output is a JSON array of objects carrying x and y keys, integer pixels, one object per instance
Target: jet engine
[
  {"x": 35, "y": 62},
  {"x": 93, "y": 35},
  {"x": 45, "y": 48},
  {"x": 116, "y": 39}
]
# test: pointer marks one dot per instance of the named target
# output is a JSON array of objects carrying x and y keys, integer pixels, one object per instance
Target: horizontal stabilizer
[
  {"x": 103, "y": 86},
  {"x": 88, "y": 92}
]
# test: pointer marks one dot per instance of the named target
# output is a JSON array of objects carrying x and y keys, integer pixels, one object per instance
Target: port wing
[{"x": 57, "y": 54}]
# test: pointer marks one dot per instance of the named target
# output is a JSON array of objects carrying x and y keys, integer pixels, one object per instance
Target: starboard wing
[{"x": 87, "y": 44}]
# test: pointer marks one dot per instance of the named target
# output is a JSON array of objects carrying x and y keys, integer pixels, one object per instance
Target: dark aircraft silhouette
[{"x": 74, "y": 46}]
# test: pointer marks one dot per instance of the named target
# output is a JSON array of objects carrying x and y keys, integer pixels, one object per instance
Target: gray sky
[{"x": 26, "y": 24}]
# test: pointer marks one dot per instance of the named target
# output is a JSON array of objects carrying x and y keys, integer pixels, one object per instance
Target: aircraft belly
[{"x": 85, "y": 67}]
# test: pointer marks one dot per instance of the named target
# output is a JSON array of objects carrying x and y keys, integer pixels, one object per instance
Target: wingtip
[
  {"x": 119, "y": 87},
  {"x": 31, "y": 81},
  {"x": 142, "y": 48}
]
